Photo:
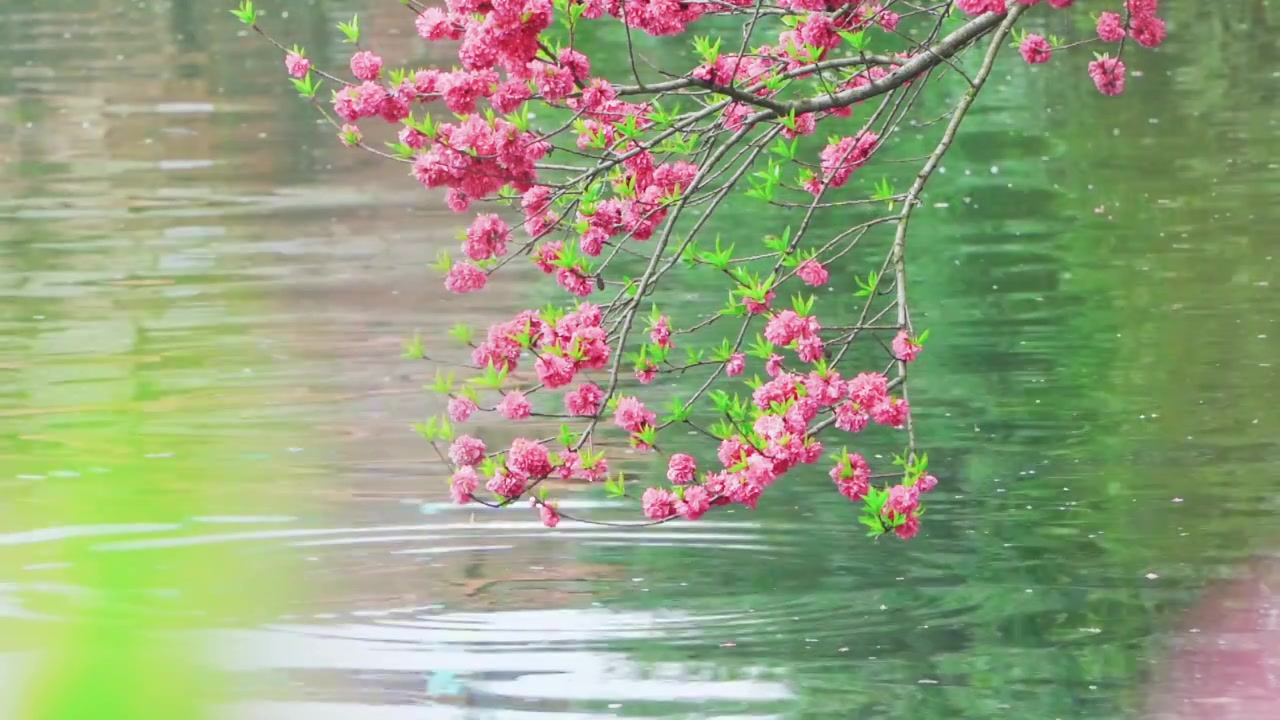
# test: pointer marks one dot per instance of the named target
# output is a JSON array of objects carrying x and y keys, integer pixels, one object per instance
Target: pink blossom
[
  {"x": 487, "y": 237},
  {"x": 554, "y": 371},
  {"x": 744, "y": 492},
  {"x": 434, "y": 24},
  {"x": 460, "y": 408},
  {"x": 755, "y": 307},
  {"x": 463, "y": 484},
  {"x": 769, "y": 426},
  {"x": 1060, "y": 3},
  {"x": 393, "y": 108},
  {"x": 926, "y": 483},
  {"x": 465, "y": 278},
  {"x": 813, "y": 273},
  {"x": 904, "y": 347},
  {"x": 466, "y": 450},
  {"x": 852, "y": 476},
  {"x": 529, "y": 457},
  {"x": 840, "y": 159},
  {"x": 457, "y": 200},
  {"x": 658, "y": 503},
  {"x": 646, "y": 372},
  {"x": 412, "y": 138},
  {"x": 902, "y": 500},
  {"x": 805, "y": 123},
  {"x": 1142, "y": 8},
  {"x": 592, "y": 241},
  {"x": 978, "y": 7},
  {"x": 1148, "y": 30},
  {"x": 573, "y": 280},
  {"x": 825, "y": 390},
  {"x": 515, "y": 406},
  {"x": 909, "y": 528},
  {"x": 585, "y": 401},
  {"x": 631, "y": 415},
  {"x": 1108, "y": 75},
  {"x": 868, "y": 389},
  {"x": 507, "y": 483},
  {"x": 773, "y": 366},
  {"x": 1035, "y": 49},
  {"x": 788, "y": 326},
  {"x": 1110, "y": 27},
  {"x": 696, "y": 502},
  {"x": 735, "y": 365},
  {"x": 350, "y": 135},
  {"x": 509, "y": 96},
  {"x": 851, "y": 417},
  {"x": 553, "y": 83},
  {"x": 681, "y": 469},
  {"x": 366, "y": 66},
  {"x": 760, "y": 471},
  {"x": 550, "y": 516},
  {"x": 660, "y": 334},
  {"x": 598, "y": 470},
  {"x": 810, "y": 349},
  {"x": 781, "y": 389},
  {"x": 297, "y": 65},
  {"x": 891, "y": 411},
  {"x": 546, "y": 254}
]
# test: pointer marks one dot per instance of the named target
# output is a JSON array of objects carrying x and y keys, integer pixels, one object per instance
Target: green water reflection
[{"x": 198, "y": 281}]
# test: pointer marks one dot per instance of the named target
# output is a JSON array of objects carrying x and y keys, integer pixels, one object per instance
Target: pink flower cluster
[
  {"x": 1108, "y": 75},
  {"x": 505, "y": 62},
  {"x": 1035, "y": 49},
  {"x": 477, "y": 157},
  {"x": 789, "y": 329},
  {"x": 574, "y": 344},
  {"x": 526, "y": 463},
  {"x": 905, "y": 348},
  {"x": 297, "y": 65},
  {"x": 978, "y": 7},
  {"x": 1142, "y": 25},
  {"x": 840, "y": 159}
]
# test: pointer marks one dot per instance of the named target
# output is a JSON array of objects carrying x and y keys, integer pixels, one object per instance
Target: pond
[{"x": 202, "y": 396}]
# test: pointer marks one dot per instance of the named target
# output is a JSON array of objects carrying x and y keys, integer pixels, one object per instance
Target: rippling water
[{"x": 200, "y": 287}]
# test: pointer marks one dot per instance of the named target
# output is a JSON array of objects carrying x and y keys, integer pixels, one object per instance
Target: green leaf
[
  {"x": 430, "y": 429},
  {"x": 246, "y": 13},
  {"x": 858, "y": 40},
  {"x": 679, "y": 413},
  {"x": 413, "y": 348},
  {"x": 761, "y": 348},
  {"x": 874, "y": 523},
  {"x": 351, "y": 29},
  {"x": 868, "y": 287},
  {"x": 443, "y": 383},
  {"x": 616, "y": 487},
  {"x": 492, "y": 377},
  {"x": 462, "y": 333}
]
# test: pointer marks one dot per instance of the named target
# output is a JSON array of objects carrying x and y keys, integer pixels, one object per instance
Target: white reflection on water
[
  {"x": 432, "y": 711},
  {"x": 544, "y": 659}
]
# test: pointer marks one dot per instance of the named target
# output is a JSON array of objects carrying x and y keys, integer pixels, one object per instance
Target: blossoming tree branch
[{"x": 644, "y": 160}]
